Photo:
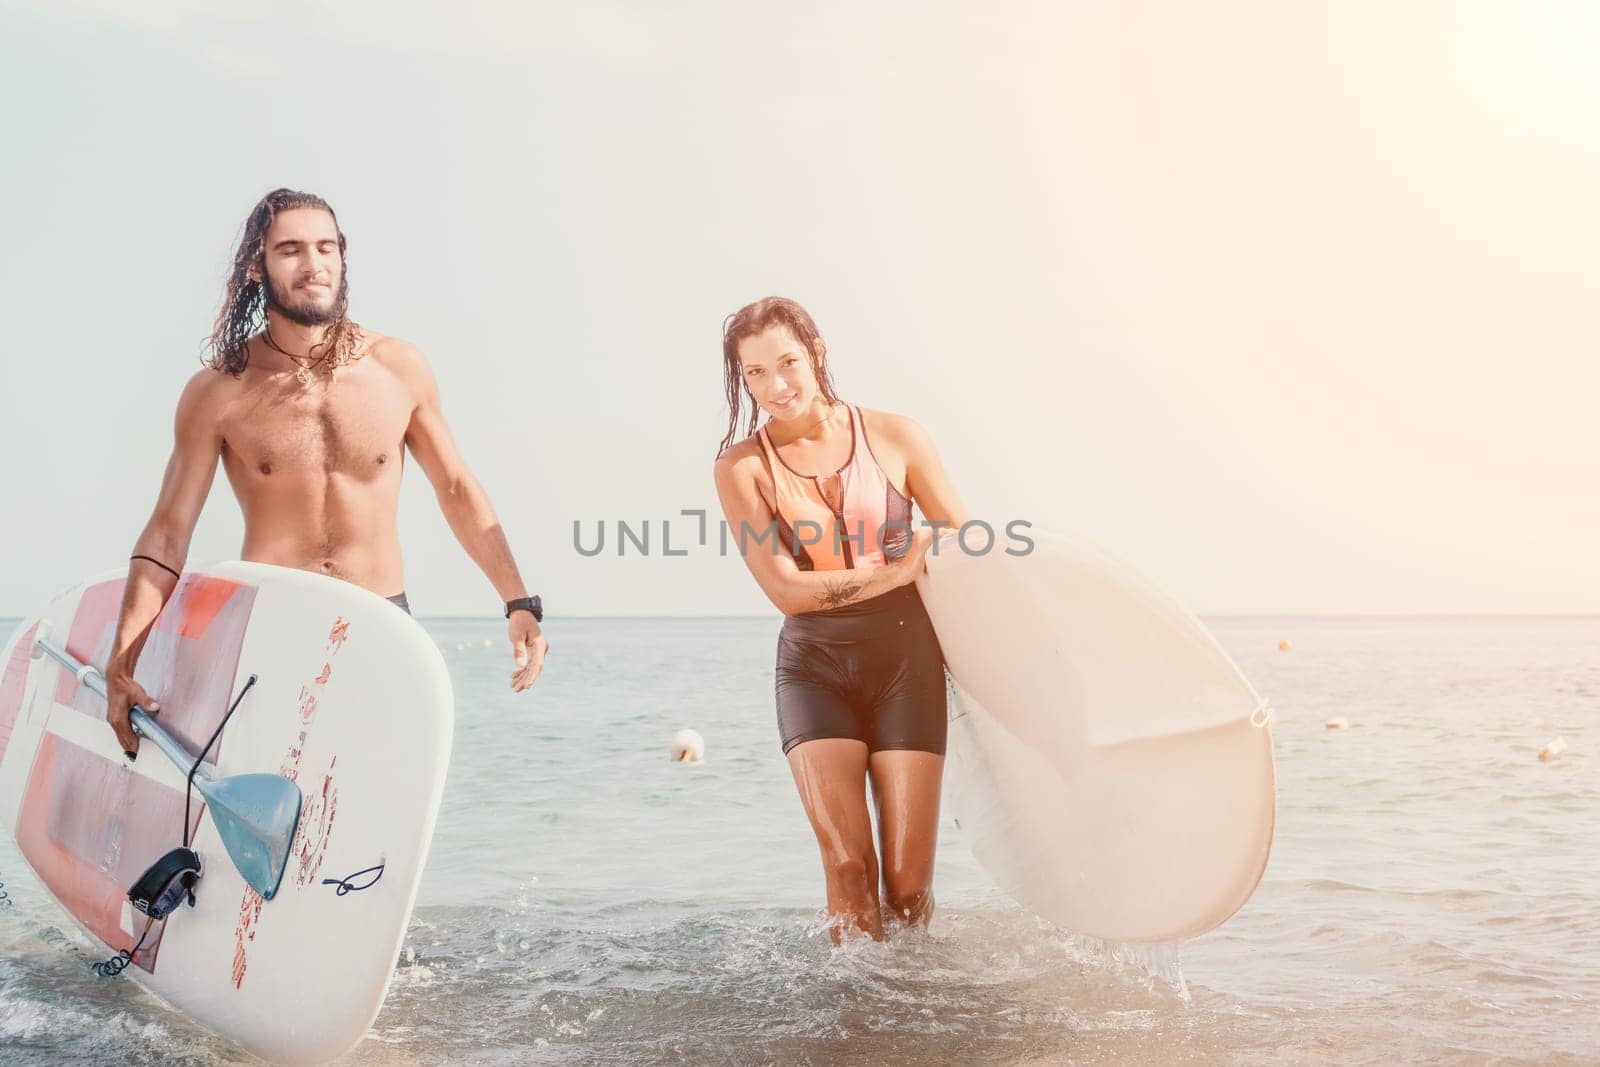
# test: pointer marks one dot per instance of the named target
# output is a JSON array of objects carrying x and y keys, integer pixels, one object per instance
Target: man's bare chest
[{"x": 353, "y": 425}]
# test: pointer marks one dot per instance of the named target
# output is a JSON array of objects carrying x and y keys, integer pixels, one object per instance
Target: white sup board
[
  {"x": 1109, "y": 766},
  {"x": 352, "y": 701}
]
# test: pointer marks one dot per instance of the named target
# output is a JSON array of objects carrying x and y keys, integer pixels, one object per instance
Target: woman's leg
[
  {"x": 905, "y": 786},
  {"x": 830, "y": 774}
]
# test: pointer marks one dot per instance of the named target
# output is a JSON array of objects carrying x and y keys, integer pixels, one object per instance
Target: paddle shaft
[{"x": 143, "y": 722}]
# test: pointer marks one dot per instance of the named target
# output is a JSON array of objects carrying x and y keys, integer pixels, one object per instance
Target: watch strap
[{"x": 531, "y": 604}]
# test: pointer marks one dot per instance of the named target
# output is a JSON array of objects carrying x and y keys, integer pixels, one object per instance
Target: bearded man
[{"x": 311, "y": 417}]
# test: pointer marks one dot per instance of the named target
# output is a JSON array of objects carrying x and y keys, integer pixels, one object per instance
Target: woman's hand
[{"x": 914, "y": 562}]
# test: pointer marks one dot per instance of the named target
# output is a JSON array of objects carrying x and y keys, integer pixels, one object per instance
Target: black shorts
[
  {"x": 399, "y": 600},
  {"x": 871, "y": 671}
]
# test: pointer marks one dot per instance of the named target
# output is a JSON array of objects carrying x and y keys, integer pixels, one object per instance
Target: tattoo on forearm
[{"x": 839, "y": 592}]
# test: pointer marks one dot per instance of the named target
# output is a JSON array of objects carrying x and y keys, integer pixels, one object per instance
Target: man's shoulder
[
  {"x": 394, "y": 352},
  {"x": 399, "y": 357},
  {"x": 208, "y": 387},
  {"x": 204, "y": 396}
]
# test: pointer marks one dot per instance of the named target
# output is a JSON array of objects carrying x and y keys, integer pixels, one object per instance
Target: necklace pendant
[{"x": 303, "y": 376}]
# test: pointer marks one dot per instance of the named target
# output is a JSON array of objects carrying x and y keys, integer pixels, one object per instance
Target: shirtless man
[{"x": 310, "y": 416}]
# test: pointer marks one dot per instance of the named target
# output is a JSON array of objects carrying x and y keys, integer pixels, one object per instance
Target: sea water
[{"x": 1433, "y": 892}]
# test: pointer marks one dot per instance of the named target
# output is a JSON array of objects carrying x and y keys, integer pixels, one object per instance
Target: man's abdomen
[{"x": 330, "y": 524}]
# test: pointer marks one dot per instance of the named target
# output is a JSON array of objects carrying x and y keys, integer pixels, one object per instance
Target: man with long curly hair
[{"x": 310, "y": 416}]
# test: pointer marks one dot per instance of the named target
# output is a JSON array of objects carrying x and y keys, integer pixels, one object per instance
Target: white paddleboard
[
  {"x": 1108, "y": 764},
  {"x": 352, "y": 701}
]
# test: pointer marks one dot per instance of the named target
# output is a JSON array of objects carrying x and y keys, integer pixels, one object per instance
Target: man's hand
[
  {"x": 528, "y": 647},
  {"x": 122, "y": 693}
]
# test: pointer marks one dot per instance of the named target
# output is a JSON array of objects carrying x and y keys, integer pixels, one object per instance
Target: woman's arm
[{"x": 926, "y": 479}]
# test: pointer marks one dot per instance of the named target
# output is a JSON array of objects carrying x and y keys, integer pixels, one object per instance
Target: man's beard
[{"x": 309, "y": 315}]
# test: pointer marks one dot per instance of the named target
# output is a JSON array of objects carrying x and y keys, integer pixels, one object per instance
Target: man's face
[{"x": 304, "y": 267}]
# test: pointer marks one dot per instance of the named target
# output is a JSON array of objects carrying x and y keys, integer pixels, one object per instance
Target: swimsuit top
[{"x": 871, "y": 523}]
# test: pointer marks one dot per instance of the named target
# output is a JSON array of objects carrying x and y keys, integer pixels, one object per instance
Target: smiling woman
[{"x": 860, "y": 675}]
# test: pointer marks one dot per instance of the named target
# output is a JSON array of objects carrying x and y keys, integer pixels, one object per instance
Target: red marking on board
[
  {"x": 86, "y": 857},
  {"x": 190, "y": 660},
  {"x": 97, "y": 610},
  {"x": 13, "y": 683},
  {"x": 310, "y": 845},
  {"x": 245, "y": 932},
  {"x": 195, "y": 602},
  {"x": 89, "y": 893},
  {"x": 189, "y": 668},
  {"x": 319, "y": 810},
  {"x": 308, "y": 705}
]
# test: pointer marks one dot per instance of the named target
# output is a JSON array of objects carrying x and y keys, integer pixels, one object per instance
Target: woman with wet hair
[{"x": 819, "y": 498}]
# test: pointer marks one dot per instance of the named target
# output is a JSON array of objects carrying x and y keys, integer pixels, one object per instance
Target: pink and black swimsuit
[
  {"x": 871, "y": 671},
  {"x": 852, "y": 518}
]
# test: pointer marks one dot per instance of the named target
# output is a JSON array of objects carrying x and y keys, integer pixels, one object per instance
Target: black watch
[{"x": 531, "y": 604}]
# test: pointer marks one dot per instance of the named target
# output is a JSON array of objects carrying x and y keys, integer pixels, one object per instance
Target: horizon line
[{"x": 1229, "y": 616}]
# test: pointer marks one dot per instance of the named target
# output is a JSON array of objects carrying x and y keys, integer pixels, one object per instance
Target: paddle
[{"x": 255, "y": 814}]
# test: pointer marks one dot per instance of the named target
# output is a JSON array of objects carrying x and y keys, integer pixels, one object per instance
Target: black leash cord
[
  {"x": 188, "y": 790},
  {"x": 119, "y": 963},
  {"x": 347, "y": 883}
]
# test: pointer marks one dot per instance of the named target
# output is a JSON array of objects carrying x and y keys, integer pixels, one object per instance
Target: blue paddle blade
[{"x": 256, "y": 815}]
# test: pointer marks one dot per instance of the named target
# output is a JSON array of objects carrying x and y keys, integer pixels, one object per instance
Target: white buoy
[
  {"x": 1337, "y": 724},
  {"x": 487, "y": 643},
  {"x": 1552, "y": 750},
  {"x": 688, "y": 747},
  {"x": 461, "y": 646}
]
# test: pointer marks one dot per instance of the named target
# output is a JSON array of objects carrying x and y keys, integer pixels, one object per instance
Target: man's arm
[
  {"x": 184, "y": 488},
  {"x": 466, "y": 508}
]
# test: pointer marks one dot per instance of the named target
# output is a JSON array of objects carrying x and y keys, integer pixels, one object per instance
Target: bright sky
[{"x": 1290, "y": 303}]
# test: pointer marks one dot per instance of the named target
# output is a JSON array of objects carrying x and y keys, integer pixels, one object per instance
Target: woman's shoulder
[
  {"x": 892, "y": 428},
  {"x": 741, "y": 455}
]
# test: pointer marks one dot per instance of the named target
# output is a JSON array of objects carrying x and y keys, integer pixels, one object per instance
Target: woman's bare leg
[
  {"x": 830, "y": 774},
  {"x": 905, "y": 786}
]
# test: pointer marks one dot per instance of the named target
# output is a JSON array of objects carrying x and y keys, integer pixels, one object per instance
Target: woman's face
[{"x": 778, "y": 373}]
